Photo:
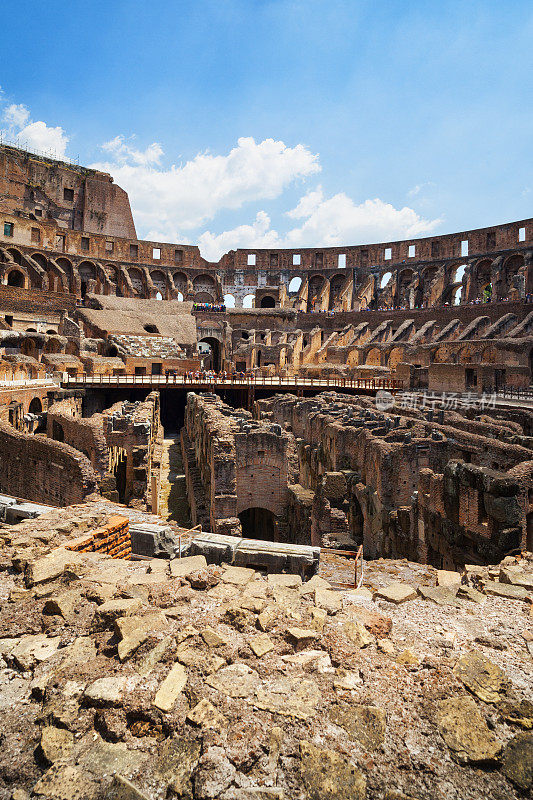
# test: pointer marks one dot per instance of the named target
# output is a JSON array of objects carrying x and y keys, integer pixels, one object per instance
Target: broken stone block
[
  {"x": 51, "y": 566},
  {"x": 177, "y": 758},
  {"x": 261, "y": 644},
  {"x": 377, "y": 624},
  {"x": 289, "y": 696},
  {"x": 238, "y": 576},
  {"x": 214, "y": 774},
  {"x": 365, "y": 723},
  {"x": 302, "y": 637},
  {"x": 283, "y": 579},
  {"x": 316, "y": 582},
  {"x": 63, "y": 782},
  {"x": 329, "y": 600},
  {"x": 63, "y": 604},
  {"x": 171, "y": 688},
  {"x": 397, "y": 593},
  {"x": 108, "y": 691},
  {"x": 205, "y": 715},
  {"x": 506, "y": 590},
  {"x": 33, "y": 649},
  {"x": 134, "y": 631},
  {"x": 517, "y": 760},
  {"x": 56, "y": 744},
  {"x": 326, "y": 775},
  {"x": 447, "y": 577},
  {"x": 318, "y": 618},
  {"x": 182, "y": 567},
  {"x": 469, "y": 593},
  {"x": 465, "y": 731},
  {"x": 483, "y": 678},
  {"x": 516, "y": 577},
  {"x": 317, "y": 659},
  {"x": 213, "y": 638},
  {"x": 236, "y": 680},
  {"x": 111, "y": 610},
  {"x": 441, "y": 595},
  {"x": 357, "y": 633},
  {"x": 122, "y": 789}
]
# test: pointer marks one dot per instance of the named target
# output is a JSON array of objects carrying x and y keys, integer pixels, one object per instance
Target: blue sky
[{"x": 290, "y": 123}]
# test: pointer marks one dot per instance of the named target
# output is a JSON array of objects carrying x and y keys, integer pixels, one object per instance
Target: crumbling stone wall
[{"x": 42, "y": 470}]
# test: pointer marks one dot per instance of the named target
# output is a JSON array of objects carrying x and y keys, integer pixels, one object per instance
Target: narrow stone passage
[{"x": 173, "y": 495}]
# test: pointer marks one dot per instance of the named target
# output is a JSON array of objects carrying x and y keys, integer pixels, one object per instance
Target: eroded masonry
[{"x": 266, "y": 524}]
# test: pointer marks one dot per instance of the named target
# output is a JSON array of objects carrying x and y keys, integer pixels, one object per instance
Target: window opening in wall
[
  {"x": 180, "y": 297},
  {"x": 158, "y": 296},
  {"x": 68, "y": 195},
  {"x": 229, "y": 301},
  {"x": 482, "y": 517},
  {"x": 273, "y": 259},
  {"x": 38, "y": 212},
  {"x": 294, "y": 285},
  {"x": 9, "y": 227},
  {"x": 435, "y": 249},
  {"x": 109, "y": 247},
  {"x": 341, "y": 262},
  {"x": 178, "y": 256},
  {"x": 364, "y": 257},
  {"x": 251, "y": 259},
  {"x": 385, "y": 280},
  {"x": 412, "y": 250},
  {"x": 296, "y": 259},
  {"x": 491, "y": 240},
  {"x": 156, "y": 253},
  {"x": 60, "y": 243},
  {"x": 134, "y": 251},
  {"x": 248, "y": 301},
  {"x": 464, "y": 247},
  {"x": 319, "y": 259},
  {"x": 85, "y": 244},
  {"x": 35, "y": 235},
  {"x": 521, "y": 234},
  {"x": 9, "y": 319},
  {"x": 388, "y": 253}
]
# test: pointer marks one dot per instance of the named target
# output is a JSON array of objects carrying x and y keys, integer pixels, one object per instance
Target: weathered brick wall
[
  {"x": 65, "y": 423},
  {"x": 34, "y": 301},
  {"x": 39, "y": 469}
]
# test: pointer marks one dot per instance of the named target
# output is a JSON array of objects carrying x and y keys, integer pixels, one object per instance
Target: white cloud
[
  {"x": 327, "y": 222},
  {"x": 33, "y": 135},
  {"x": 415, "y": 190},
  {"x": 184, "y": 197}
]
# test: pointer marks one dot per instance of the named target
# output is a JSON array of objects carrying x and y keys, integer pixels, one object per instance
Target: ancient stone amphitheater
[{"x": 266, "y": 524}]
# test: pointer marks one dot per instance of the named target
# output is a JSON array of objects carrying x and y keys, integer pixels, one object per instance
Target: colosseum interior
[{"x": 262, "y": 516}]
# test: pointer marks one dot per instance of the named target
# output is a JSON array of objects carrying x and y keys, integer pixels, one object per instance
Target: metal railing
[
  {"x": 371, "y": 384},
  {"x": 358, "y": 566}
]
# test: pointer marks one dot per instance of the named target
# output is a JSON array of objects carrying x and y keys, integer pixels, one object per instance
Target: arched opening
[
  {"x": 15, "y": 255},
  {"x": 87, "y": 272},
  {"x": 404, "y": 281},
  {"x": 268, "y": 302},
  {"x": 203, "y": 283},
  {"x": 385, "y": 280},
  {"x": 40, "y": 259},
  {"x": 248, "y": 301},
  {"x": 180, "y": 281},
  {"x": 180, "y": 297},
  {"x": 51, "y": 332},
  {"x": 57, "y": 432},
  {"x": 258, "y": 523},
  {"x": 31, "y": 330},
  {"x": 158, "y": 296},
  {"x": 16, "y": 279},
  {"x": 136, "y": 279},
  {"x": 203, "y": 297},
  {"x": 294, "y": 285},
  {"x": 160, "y": 282},
  {"x": 458, "y": 274},
  {"x": 35, "y": 406},
  {"x": 229, "y": 301},
  {"x": 211, "y": 350},
  {"x": 512, "y": 267},
  {"x": 151, "y": 328},
  {"x": 457, "y": 294},
  {"x": 120, "y": 472},
  {"x": 335, "y": 287}
]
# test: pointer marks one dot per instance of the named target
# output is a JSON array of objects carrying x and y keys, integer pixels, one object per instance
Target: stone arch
[
  {"x": 180, "y": 281},
  {"x": 203, "y": 283},
  {"x": 335, "y": 286},
  {"x": 40, "y": 259},
  {"x": 267, "y": 301},
  {"x": 159, "y": 280},
  {"x": 457, "y": 295},
  {"x": 395, "y": 356},
  {"x": 405, "y": 277},
  {"x": 16, "y": 278},
  {"x": 35, "y": 406},
  {"x": 137, "y": 281},
  {"x": 482, "y": 289},
  {"x": 87, "y": 273},
  {"x": 511, "y": 268},
  {"x": 229, "y": 301},
  {"x": 15, "y": 254},
  {"x": 203, "y": 297},
  {"x": 248, "y": 301},
  {"x": 373, "y": 357},
  {"x": 295, "y": 284},
  {"x": 213, "y": 360},
  {"x": 385, "y": 279},
  {"x": 258, "y": 523}
]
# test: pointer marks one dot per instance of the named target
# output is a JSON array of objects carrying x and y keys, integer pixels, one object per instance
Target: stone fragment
[
  {"x": 253, "y": 604},
  {"x": 51, "y": 566},
  {"x": 386, "y": 646},
  {"x": 517, "y": 712},
  {"x": 111, "y": 610},
  {"x": 446, "y": 577},
  {"x": 377, "y": 624},
  {"x": 261, "y": 644},
  {"x": 268, "y": 618},
  {"x": 283, "y": 579},
  {"x": 465, "y": 731},
  {"x": 171, "y": 688},
  {"x": 187, "y": 633},
  {"x": 302, "y": 637},
  {"x": 206, "y": 715},
  {"x": 516, "y": 577},
  {"x": 483, "y": 678},
  {"x": 176, "y": 760},
  {"x": 289, "y": 696},
  {"x": 517, "y": 760},
  {"x": 362, "y": 593},
  {"x": 328, "y": 776},
  {"x": 506, "y": 590},
  {"x": 213, "y": 638},
  {"x": 134, "y": 631},
  {"x": 316, "y": 582},
  {"x": 318, "y": 618},
  {"x": 63, "y": 782},
  {"x": 147, "y": 664},
  {"x": 108, "y": 691},
  {"x": 329, "y": 600},
  {"x": 56, "y": 744},
  {"x": 397, "y": 593},
  {"x": 238, "y": 576},
  {"x": 182, "y": 567},
  {"x": 469, "y": 593},
  {"x": 365, "y": 723},
  {"x": 407, "y": 658},
  {"x": 357, "y": 633},
  {"x": 440, "y": 595},
  {"x": 33, "y": 649},
  {"x": 347, "y": 680},
  {"x": 236, "y": 680},
  {"x": 214, "y": 774},
  {"x": 317, "y": 659},
  {"x": 122, "y": 789}
]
